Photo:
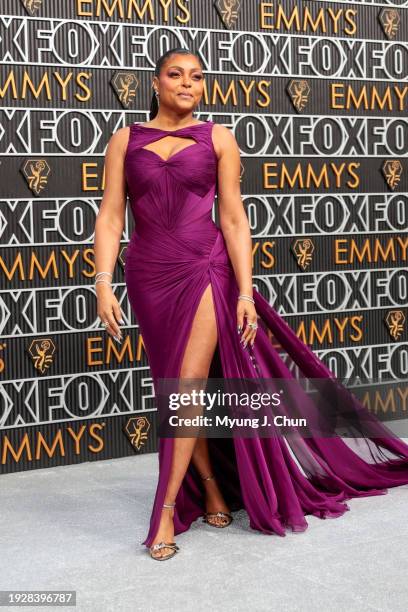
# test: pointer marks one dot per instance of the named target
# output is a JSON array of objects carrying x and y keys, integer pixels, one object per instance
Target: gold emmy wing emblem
[
  {"x": 137, "y": 429},
  {"x": 36, "y": 173},
  {"x": 298, "y": 90},
  {"x": 303, "y": 249},
  {"x": 31, "y": 6},
  {"x": 125, "y": 85},
  {"x": 395, "y": 320},
  {"x": 392, "y": 170},
  {"x": 41, "y": 352},
  {"x": 390, "y": 20},
  {"x": 228, "y": 10}
]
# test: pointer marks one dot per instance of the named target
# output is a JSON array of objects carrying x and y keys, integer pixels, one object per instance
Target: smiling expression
[{"x": 181, "y": 82}]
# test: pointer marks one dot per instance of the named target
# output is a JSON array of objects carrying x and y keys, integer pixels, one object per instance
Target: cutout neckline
[
  {"x": 194, "y": 144},
  {"x": 170, "y": 131}
]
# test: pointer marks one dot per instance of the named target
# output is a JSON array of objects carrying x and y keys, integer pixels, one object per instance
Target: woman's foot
[
  {"x": 214, "y": 503},
  {"x": 165, "y": 533}
]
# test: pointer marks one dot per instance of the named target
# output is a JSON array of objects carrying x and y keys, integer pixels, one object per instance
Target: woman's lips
[{"x": 183, "y": 95}]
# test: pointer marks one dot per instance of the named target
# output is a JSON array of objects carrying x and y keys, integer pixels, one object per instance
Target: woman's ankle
[{"x": 167, "y": 513}]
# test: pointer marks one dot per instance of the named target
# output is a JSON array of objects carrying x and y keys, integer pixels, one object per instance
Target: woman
[{"x": 190, "y": 286}]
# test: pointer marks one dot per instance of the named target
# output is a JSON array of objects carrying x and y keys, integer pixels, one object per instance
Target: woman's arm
[
  {"x": 109, "y": 226},
  {"x": 234, "y": 222}
]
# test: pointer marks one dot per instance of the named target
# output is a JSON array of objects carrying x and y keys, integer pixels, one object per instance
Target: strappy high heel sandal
[
  {"x": 161, "y": 545},
  {"x": 224, "y": 515}
]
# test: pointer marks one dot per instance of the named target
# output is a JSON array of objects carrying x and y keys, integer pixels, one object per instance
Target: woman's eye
[{"x": 196, "y": 76}]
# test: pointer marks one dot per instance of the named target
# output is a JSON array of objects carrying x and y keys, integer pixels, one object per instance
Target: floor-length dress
[{"x": 175, "y": 251}]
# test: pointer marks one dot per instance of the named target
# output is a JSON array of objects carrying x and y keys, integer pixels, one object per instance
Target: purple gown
[{"x": 175, "y": 251}]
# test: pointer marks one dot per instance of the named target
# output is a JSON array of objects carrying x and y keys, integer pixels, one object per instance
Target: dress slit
[{"x": 190, "y": 480}]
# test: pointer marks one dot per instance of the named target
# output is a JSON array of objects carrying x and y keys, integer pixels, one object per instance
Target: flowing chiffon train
[{"x": 175, "y": 251}]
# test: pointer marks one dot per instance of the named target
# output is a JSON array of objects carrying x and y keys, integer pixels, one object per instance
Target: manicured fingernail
[
  {"x": 117, "y": 339},
  {"x": 121, "y": 321},
  {"x": 239, "y": 329}
]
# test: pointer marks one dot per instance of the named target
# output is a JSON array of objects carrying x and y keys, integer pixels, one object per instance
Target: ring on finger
[{"x": 105, "y": 323}]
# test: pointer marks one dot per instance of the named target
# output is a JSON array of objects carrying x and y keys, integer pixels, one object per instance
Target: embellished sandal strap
[
  {"x": 169, "y": 505},
  {"x": 160, "y": 545},
  {"x": 208, "y": 477},
  {"x": 221, "y": 514}
]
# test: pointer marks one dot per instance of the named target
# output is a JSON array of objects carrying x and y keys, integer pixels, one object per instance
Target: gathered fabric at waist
[{"x": 174, "y": 250}]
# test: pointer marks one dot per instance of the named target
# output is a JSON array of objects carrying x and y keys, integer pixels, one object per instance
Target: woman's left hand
[{"x": 245, "y": 309}]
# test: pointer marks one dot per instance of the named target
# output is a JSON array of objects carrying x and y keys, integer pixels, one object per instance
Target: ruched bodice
[{"x": 172, "y": 195}]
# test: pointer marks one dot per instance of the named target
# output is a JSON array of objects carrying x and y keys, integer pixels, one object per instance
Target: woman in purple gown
[{"x": 190, "y": 287}]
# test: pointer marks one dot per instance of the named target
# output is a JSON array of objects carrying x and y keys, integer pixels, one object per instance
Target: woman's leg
[{"x": 196, "y": 363}]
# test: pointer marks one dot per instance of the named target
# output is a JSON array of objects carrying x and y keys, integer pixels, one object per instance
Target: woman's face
[{"x": 181, "y": 82}]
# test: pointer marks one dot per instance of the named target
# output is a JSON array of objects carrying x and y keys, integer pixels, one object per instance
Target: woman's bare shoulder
[
  {"x": 119, "y": 139},
  {"x": 223, "y": 139},
  {"x": 221, "y": 130}
]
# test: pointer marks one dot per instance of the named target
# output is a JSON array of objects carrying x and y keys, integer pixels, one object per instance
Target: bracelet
[
  {"x": 102, "y": 280},
  {"x": 100, "y": 274},
  {"x": 246, "y": 297}
]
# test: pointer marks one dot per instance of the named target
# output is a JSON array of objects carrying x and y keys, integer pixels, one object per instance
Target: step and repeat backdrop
[{"x": 316, "y": 93}]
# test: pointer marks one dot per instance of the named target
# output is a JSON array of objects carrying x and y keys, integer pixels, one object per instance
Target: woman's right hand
[{"x": 108, "y": 310}]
